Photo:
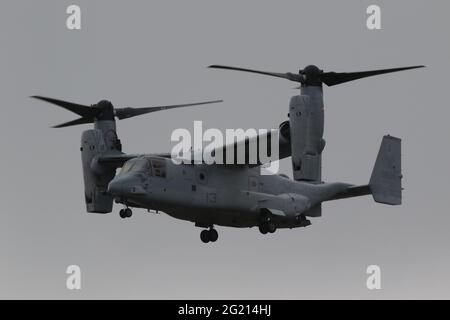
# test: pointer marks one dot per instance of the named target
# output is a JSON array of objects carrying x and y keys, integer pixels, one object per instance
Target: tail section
[{"x": 386, "y": 180}]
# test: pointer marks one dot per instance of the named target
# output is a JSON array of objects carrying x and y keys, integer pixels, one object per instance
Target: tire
[
  {"x": 263, "y": 228},
  {"x": 128, "y": 212},
  {"x": 204, "y": 236},
  {"x": 271, "y": 227},
  {"x": 213, "y": 235},
  {"x": 122, "y": 213}
]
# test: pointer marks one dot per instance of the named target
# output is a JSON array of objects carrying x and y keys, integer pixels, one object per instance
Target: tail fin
[{"x": 386, "y": 180}]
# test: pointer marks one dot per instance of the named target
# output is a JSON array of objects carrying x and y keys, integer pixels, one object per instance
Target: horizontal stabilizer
[{"x": 353, "y": 191}]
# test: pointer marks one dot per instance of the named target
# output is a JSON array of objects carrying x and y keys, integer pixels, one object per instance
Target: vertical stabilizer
[{"x": 386, "y": 180}]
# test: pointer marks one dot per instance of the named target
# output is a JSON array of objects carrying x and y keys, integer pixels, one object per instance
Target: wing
[
  {"x": 118, "y": 159},
  {"x": 250, "y": 148}
]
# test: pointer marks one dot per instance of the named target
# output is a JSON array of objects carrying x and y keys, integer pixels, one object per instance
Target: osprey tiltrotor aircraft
[{"x": 233, "y": 195}]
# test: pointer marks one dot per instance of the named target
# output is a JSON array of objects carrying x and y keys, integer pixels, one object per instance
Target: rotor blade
[
  {"x": 74, "y": 122},
  {"x": 334, "y": 78},
  {"x": 288, "y": 75},
  {"x": 124, "y": 113},
  {"x": 81, "y": 110}
]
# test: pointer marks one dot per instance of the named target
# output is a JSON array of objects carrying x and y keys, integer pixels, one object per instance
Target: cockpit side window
[
  {"x": 159, "y": 167},
  {"x": 141, "y": 165}
]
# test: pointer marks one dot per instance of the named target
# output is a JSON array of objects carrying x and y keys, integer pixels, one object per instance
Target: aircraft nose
[
  {"x": 125, "y": 185},
  {"x": 115, "y": 187}
]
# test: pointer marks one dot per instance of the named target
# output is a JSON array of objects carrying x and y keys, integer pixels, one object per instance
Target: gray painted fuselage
[{"x": 226, "y": 195}]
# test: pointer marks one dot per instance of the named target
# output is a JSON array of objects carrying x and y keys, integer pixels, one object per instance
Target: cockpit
[{"x": 151, "y": 166}]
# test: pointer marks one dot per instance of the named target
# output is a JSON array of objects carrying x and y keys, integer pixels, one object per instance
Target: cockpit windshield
[
  {"x": 152, "y": 166},
  {"x": 136, "y": 165}
]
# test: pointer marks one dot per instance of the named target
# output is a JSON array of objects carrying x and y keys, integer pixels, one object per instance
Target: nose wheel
[
  {"x": 125, "y": 213},
  {"x": 210, "y": 235}
]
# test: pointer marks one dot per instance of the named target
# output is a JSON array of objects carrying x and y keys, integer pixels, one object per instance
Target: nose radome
[
  {"x": 115, "y": 187},
  {"x": 125, "y": 185}
]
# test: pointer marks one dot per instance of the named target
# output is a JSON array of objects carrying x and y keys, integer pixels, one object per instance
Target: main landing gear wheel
[
  {"x": 210, "y": 235},
  {"x": 125, "y": 213},
  {"x": 263, "y": 228},
  {"x": 271, "y": 227},
  {"x": 213, "y": 235},
  {"x": 266, "y": 227}
]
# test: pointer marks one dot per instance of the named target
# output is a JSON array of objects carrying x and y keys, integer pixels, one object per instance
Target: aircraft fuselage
[{"x": 227, "y": 195}]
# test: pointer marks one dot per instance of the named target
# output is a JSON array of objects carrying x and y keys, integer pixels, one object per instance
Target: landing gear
[
  {"x": 204, "y": 236},
  {"x": 210, "y": 235},
  {"x": 266, "y": 224},
  {"x": 213, "y": 235},
  {"x": 267, "y": 227},
  {"x": 263, "y": 228},
  {"x": 125, "y": 213},
  {"x": 302, "y": 221}
]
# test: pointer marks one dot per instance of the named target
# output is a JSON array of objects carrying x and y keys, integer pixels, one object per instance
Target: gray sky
[{"x": 147, "y": 53}]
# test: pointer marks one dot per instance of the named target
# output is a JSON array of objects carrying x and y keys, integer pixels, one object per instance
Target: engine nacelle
[
  {"x": 96, "y": 176},
  {"x": 306, "y": 121}
]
